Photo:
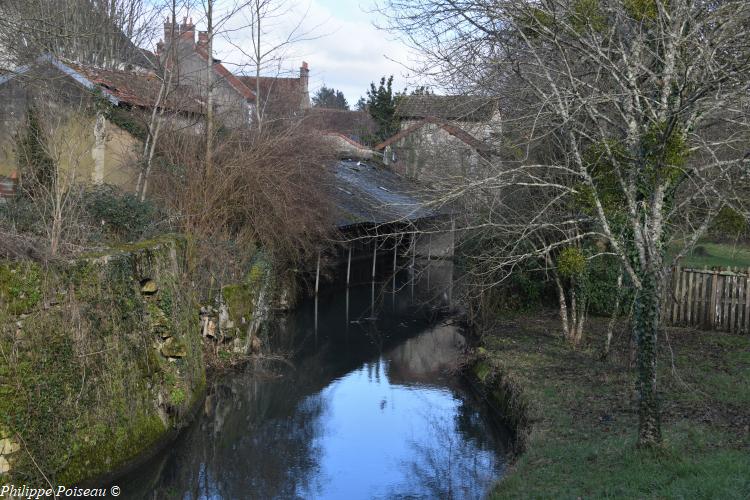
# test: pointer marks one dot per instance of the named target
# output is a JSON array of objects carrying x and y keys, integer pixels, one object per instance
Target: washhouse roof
[{"x": 368, "y": 194}]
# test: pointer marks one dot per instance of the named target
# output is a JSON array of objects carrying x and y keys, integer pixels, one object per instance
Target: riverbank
[
  {"x": 103, "y": 359},
  {"x": 582, "y": 419}
]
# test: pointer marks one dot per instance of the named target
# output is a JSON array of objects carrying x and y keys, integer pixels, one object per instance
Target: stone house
[
  {"x": 479, "y": 116},
  {"x": 187, "y": 60},
  {"x": 442, "y": 138},
  {"x": 434, "y": 150},
  {"x": 280, "y": 99},
  {"x": 101, "y": 114}
]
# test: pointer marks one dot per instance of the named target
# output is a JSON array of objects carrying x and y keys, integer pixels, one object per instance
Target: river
[{"x": 369, "y": 406}]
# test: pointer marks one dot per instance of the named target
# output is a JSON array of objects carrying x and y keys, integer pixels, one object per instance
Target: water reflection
[{"x": 369, "y": 409}]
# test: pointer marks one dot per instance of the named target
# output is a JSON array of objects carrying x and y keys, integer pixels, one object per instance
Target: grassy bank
[
  {"x": 583, "y": 416},
  {"x": 717, "y": 254}
]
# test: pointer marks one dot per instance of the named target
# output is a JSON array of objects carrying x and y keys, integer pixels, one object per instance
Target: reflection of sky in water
[
  {"x": 367, "y": 411},
  {"x": 383, "y": 440}
]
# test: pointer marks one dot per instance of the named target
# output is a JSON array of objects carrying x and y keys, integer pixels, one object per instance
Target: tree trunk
[
  {"x": 645, "y": 326},
  {"x": 563, "y": 307},
  {"x": 613, "y": 318}
]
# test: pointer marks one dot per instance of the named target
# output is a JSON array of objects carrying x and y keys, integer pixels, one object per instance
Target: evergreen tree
[
  {"x": 361, "y": 104},
  {"x": 381, "y": 103},
  {"x": 329, "y": 98}
]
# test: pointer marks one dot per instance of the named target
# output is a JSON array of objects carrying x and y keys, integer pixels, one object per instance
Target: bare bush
[{"x": 263, "y": 190}]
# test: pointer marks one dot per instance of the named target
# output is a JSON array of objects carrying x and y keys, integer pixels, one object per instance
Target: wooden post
[
  {"x": 317, "y": 276},
  {"x": 676, "y": 294},
  {"x": 747, "y": 302},
  {"x": 395, "y": 250},
  {"x": 725, "y": 301},
  {"x": 372, "y": 287},
  {"x": 689, "y": 318},
  {"x": 740, "y": 302},
  {"x": 706, "y": 298},
  {"x": 732, "y": 302},
  {"x": 712, "y": 306},
  {"x": 349, "y": 267},
  {"x": 413, "y": 276}
]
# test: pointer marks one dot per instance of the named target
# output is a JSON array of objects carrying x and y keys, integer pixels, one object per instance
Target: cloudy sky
[{"x": 344, "y": 49}]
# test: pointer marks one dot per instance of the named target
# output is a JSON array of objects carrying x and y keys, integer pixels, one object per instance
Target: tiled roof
[
  {"x": 447, "y": 107},
  {"x": 340, "y": 120},
  {"x": 139, "y": 89},
  {"x": 228, "y": 76},
  {"x": 451, "y": 129},
  {"x": 280, "y": 97}
]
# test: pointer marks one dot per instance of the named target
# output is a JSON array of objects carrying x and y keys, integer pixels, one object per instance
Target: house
[
  {"x": 187, "y": 61},
  {"x": 477, "y": 115},
  {"x": 281, "y": 99},
  {"x": 434, "y": 150},
  {"x": 101, "y": 114}
]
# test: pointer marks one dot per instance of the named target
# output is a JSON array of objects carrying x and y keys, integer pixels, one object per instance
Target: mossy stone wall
[{"x": 99, "y": 359}]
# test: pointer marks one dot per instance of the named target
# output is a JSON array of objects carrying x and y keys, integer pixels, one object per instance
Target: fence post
[
  {"x": 714, "y": 292},
  {"x": 725, "y": 310},
  {"x": 689, "y": 319},
  {"x": 706, "y": 298},
  {"x": 747, "y": 302},
  {"x": 675, "y": 295}
]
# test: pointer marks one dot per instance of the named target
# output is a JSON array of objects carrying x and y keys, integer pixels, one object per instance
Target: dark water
[{"x": 366, "y": 409}]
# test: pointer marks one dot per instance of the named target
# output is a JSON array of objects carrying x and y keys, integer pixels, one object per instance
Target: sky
[{"x": 344, "y": 49}]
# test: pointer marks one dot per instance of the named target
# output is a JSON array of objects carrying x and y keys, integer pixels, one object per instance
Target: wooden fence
[{"x": 713, "y": 299}]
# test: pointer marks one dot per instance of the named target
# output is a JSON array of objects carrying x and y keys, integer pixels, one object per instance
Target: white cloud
[{"x": 344, "y": 53}]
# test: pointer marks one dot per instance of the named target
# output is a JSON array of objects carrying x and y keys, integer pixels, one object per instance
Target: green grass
[
  {"x": 582, "y": 438},
  {"x": 718, "y": 254}
]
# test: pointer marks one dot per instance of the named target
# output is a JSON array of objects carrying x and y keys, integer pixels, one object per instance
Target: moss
[
  {"x": 20, "y": 287},
  {"x": 177, "y": 396},
  {"x": 642, "y": 10},
  {"x": 482, "y": 370},
  {"x": 241, "y": 299},
  {"x": 86, "y": 382},
  {"x": 104, "y": 449}
]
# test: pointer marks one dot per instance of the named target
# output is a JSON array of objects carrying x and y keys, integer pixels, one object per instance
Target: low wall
[
  {"x": 504, "y": 395},
  {"x": 101, "y": 358}
]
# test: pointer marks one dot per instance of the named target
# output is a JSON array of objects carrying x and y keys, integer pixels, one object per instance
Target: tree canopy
[
  {"x": 381, "y": 103},
  {"x": 330, "y": 98}
]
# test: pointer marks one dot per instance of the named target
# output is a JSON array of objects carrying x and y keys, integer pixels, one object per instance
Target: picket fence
[{"x": 712, "y": 299}]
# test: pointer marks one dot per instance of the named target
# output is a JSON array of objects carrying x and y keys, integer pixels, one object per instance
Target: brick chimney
[
  {"x": 184, "y": 32},
  {"x": 203, "y": 39}
]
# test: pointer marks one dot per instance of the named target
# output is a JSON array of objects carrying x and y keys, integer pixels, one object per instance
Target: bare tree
[
  {"x": 273, "y": 27},
  {"x": 107, "y": 33},
  {"x": 628, "y": 120}
]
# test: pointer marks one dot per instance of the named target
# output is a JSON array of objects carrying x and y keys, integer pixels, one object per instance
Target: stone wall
[
  {"x": 433, "y": 155},
  {"x": 101, "y": 359}
]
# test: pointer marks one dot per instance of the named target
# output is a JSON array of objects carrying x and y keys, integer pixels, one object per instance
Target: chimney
[
  {"x": 203, "y": 39},
  {"x": 184, "y": 31},
  {"x": 304, "y": 75},
  {"x": 304, "y": 78}
]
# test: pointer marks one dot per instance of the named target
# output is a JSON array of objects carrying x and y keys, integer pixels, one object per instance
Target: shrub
[{"x": 119, "y": 215}]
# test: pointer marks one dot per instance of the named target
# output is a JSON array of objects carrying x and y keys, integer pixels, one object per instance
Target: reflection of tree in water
[
  {"x": 256, "y": 441},
  {"x": 451, "y": 466}
]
